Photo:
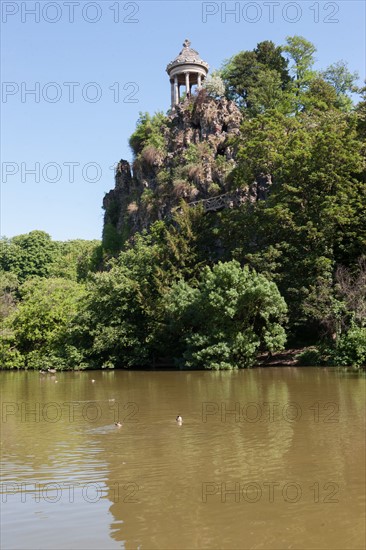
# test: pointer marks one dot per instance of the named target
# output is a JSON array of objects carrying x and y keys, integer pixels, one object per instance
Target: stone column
[
  {"x": 176, "y": 90},
  {"x": 172, "y": 92},
  {"x": 199, "y": 81},
  {"x": 187, "y": 83}
]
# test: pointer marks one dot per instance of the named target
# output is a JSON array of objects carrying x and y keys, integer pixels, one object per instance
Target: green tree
[
  {"x": 8, "y": 293},
  {"x": 301, "y": 55},
  {"x": 223, "y": 321},
  {"x": 118, "y": 323},
  {"x": 148, "y": 132},
  {"x": 320, "y": 96},
  {"x": 75, "y": 259},
  {"x": 28, "y": 255},
  {"x": 267, "y": 93},
  {"x": 111, "y": 326},
  {"x": 350, "y": 348},
  {"x": 343, "y": 82},
  {"x": 121, "y": 321},
  {"x": 256, "y": 79},
  {"x": 361, "y": 118},
  {"x": 313, "y": 219},
  {"x": 238, "y": 75},
  {"x": 35, "y": 332},
  {"x": 270, "y": 56}
]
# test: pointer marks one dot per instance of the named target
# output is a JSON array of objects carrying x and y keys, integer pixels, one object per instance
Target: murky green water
[{"x": 270, "y": 458}]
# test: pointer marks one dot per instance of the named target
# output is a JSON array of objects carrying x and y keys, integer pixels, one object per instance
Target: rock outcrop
[{"x": 194, "y": 163}]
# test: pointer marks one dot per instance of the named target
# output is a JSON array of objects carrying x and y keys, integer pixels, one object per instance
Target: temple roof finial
[{"x": 187, "y": 55}]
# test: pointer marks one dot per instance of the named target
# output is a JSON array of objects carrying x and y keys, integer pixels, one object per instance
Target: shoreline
[{"x": 285, "y": 358}]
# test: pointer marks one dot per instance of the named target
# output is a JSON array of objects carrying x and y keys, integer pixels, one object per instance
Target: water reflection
[{"x": 267, "y": 458}]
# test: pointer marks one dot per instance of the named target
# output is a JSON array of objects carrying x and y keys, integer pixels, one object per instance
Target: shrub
[
  {"x": 196, "y": 173},
  {"x": 132, "y": 207},
  {"x": 35, "y": 333},
  {"x": 149, "y": 131},
  {"x": 350, "y": 350},
  {"x": 181, "y": 188},
  {"x": 112, "y": 240},
  {"x": 28, "y": 255},
  {"x": 309, "y": 358},
  {"x": 214, "y": 189},
  {"x": 147, "y": 196},
  {"x": 222, "y": 323},
  {"x": 191, "y": 154},
  {"x": 151, "y": 155}
]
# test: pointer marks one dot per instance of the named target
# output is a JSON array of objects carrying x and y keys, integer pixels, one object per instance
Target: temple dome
[{"x": 187, "y": 56}]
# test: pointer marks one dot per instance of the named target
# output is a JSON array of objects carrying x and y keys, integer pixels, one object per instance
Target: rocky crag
[{"x": 190, "y": 156}]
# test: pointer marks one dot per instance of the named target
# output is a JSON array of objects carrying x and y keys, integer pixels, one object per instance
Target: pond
[{"x": 269, "y": 458}]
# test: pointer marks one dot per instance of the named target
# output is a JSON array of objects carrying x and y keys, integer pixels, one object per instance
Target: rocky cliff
[{"x": 190, "y": 156}]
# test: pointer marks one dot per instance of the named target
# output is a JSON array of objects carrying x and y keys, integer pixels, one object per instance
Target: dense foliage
[
  {"x": 223, "y": 321},
  {"x": 210, "y": 291},
  {"x": 34, "y": 334}
]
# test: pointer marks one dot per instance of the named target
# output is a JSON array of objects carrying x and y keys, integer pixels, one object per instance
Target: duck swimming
[
  {"x": 179, "y": 419},
  {"x": 118, "y": 424}
]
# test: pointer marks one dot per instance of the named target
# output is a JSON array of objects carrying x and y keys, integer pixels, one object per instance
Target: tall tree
[
  {"x": 28, "y": 255},
  {"x": 239, "y": 76},
  {"x": 343, "y": 82},
  {"x": 314, "y": 217},
  {"x": 270, "y": 56},
  {"x": 246, "y": 73},
  {"x": 301, "y": 54}
]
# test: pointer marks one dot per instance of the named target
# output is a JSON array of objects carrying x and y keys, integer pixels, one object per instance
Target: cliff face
[{"x": 193, "y": 161}]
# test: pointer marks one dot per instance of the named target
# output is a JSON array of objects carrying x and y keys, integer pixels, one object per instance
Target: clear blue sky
[{"x": 111, "y": 52}]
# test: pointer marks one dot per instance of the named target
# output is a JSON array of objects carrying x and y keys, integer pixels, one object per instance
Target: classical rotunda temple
[{"x": 187, "y": 69}]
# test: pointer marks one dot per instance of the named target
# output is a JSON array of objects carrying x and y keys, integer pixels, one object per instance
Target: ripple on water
[{"x": 169, "y": 463}]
